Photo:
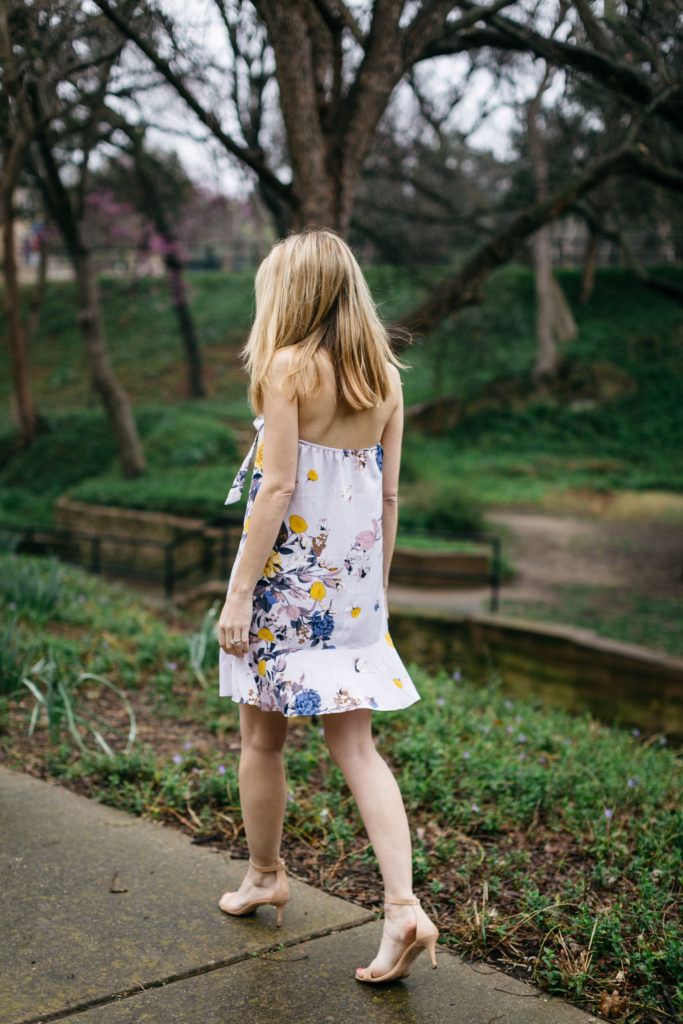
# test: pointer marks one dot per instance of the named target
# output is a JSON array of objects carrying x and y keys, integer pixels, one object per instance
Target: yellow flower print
[
  {"x": 317, "y": 591},
  {"x": 355, "y": 612},
  {"x": 388, "y": 640},
  {"x": 258, "y": 461},
  {"x": 297, "y": 524},
  {"x": 265, "y": 634},
  {"x": 261, "y": 667},
  {"x": 272, "y": 566},
  {"x": 397, "y": 682},
  {"x": 246, "y": 525},
  {"x": 312, "y": 475}
]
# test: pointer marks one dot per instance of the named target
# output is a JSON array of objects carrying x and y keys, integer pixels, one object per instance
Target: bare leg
[
  {"x": 263, "y": 794},
  {"x": 375, "y": 790}
]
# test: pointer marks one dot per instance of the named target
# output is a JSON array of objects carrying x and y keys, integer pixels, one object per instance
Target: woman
[{"x": 304, "y": 627}]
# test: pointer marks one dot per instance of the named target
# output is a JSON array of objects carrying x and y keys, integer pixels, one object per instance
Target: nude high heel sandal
[
  {"x": 279, "y": 898},
  {"x": 426, "y": 934}
]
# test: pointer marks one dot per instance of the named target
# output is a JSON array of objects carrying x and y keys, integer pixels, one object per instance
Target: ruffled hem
[{"x": 323, "y": 682}]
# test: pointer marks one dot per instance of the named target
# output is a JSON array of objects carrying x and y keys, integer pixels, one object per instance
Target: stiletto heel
[
  {"x": 278, "y": 899},
  {"x": 426, "y": 934}
]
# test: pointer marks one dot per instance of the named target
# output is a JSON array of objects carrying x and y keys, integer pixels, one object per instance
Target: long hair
[{"x": 311, "y": 295}]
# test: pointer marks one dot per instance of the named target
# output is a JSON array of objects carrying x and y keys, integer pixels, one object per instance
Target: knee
[
  {"x": 264, "y": 733},
  {"x": 257, "y": 742},
  {"x": 347, "y": 751}
]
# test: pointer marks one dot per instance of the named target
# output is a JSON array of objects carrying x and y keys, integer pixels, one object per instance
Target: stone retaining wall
[{"x": 573, "y": 668}]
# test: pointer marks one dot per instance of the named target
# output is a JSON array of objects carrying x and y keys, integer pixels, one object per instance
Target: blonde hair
[{"x": 311, "y": 295}]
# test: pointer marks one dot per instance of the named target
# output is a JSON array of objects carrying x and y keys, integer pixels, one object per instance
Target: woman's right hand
[{"x": 233, "y": 625}]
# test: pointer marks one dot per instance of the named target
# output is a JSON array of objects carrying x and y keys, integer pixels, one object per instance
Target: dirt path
[{"x": 549, "y": 550}]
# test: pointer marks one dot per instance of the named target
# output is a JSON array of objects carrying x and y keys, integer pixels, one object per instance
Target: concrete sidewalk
[{"x": 107, "y": 919}]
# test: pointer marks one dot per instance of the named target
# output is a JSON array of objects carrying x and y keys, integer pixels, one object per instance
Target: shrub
[{"x": 441, "y": 506}]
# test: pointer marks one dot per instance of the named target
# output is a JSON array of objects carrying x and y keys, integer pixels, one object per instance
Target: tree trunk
[
  {"x": 564, "y": 324},
  {"x": 589, "y": 264},
  {"x": 105, "y": 381},
  {"x": 26, "y": 413},
  {"x": 176, "y": 284},
  {"x": 37, "y": 296},
  {"x": 546, "y": 350}
]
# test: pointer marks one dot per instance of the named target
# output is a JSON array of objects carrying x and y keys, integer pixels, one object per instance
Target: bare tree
[
  {"x": 59, "y": 101},
  {"x": 336, "y": 67}
]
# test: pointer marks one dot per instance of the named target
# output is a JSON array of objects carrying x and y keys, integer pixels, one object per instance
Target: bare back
[{"x": 324, "y": 420}]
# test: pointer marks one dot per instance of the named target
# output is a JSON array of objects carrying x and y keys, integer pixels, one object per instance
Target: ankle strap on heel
[
  {"x": 412, "y": 902},
  {"x": 280, "y": 866}
]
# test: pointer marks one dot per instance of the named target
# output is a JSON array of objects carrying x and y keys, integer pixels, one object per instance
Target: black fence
[{"x": 215, "y": 539}]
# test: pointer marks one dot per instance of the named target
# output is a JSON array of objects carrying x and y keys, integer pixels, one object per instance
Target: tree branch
[
  {"x": 465, "y": 287},
  {"x": 246, "y": 155},
  {"x": 337, "y": 16},
  {"x": 617, "y": 76}
]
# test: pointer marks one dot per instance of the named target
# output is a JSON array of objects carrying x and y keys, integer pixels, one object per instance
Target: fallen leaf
[{"x": 612, "y": 1005}]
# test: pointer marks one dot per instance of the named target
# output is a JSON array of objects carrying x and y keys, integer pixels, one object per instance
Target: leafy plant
[
  {"x": 57, "y": 698},
  {"x": 203, "y": 642}
]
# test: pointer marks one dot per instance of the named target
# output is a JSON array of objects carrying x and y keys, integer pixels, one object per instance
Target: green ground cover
[
  {"x": 615, "y": 612},
  {"x": 545, "y": 843}
]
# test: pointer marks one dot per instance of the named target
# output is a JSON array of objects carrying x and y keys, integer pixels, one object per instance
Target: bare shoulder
[
  {"x": 279, "y": 368},
  {"x": 394, "y": 377},
  {"x": 396, "y": 384}
]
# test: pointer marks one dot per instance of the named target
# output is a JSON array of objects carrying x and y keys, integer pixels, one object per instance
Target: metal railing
[{"x": 71, "y": 545}]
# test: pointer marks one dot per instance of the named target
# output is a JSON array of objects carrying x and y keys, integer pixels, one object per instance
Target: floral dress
[{"x": 319, "y": 641}]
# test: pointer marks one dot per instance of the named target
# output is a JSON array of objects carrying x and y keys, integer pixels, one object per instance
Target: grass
[
  {"x": 614, "y": 612},
  {"x": 547, "y": 844}
]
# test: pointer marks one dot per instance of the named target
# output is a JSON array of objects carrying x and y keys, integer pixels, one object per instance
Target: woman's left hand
[{"x": 233, "y": 625}]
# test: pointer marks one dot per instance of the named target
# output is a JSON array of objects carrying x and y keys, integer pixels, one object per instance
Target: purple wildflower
[
  {"x": 521, "y": 738},
  {"x": 630, "y": 783},
  {"x": 221, "y": 769},
  {"x": 13, "y": 606},
  {"x": 636, "y": 733},
  {"x": 440, "y": 701},
  {"x": 510, "y": 729},
  {"x": 465, "y": 755},
  {"x": 543, "y": 760},
  {"x": 457, "y": 675},
  {"x": 177, "y": 759},
  {"x": 187, "y": 745},
  {"x": 475, "y": 807},
  {"x": 662, "y": 740},
  {"x": 173, "y": 665},
  {"x": 608, "y": 813}
]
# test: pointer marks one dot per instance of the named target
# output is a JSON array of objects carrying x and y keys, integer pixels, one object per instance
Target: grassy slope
[{"x": 496, "y": 456}]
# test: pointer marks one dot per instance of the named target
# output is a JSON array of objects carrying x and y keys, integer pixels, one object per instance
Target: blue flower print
[
  {"x": 322, "y": 625},
  {"x": 307, "y": 702},
  {"x": 379, "y": 455}
]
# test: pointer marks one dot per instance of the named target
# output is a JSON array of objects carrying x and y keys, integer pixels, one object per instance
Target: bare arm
[
  {"x": 391, "y": 443},
  {"x": 280, "y": 454}
]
